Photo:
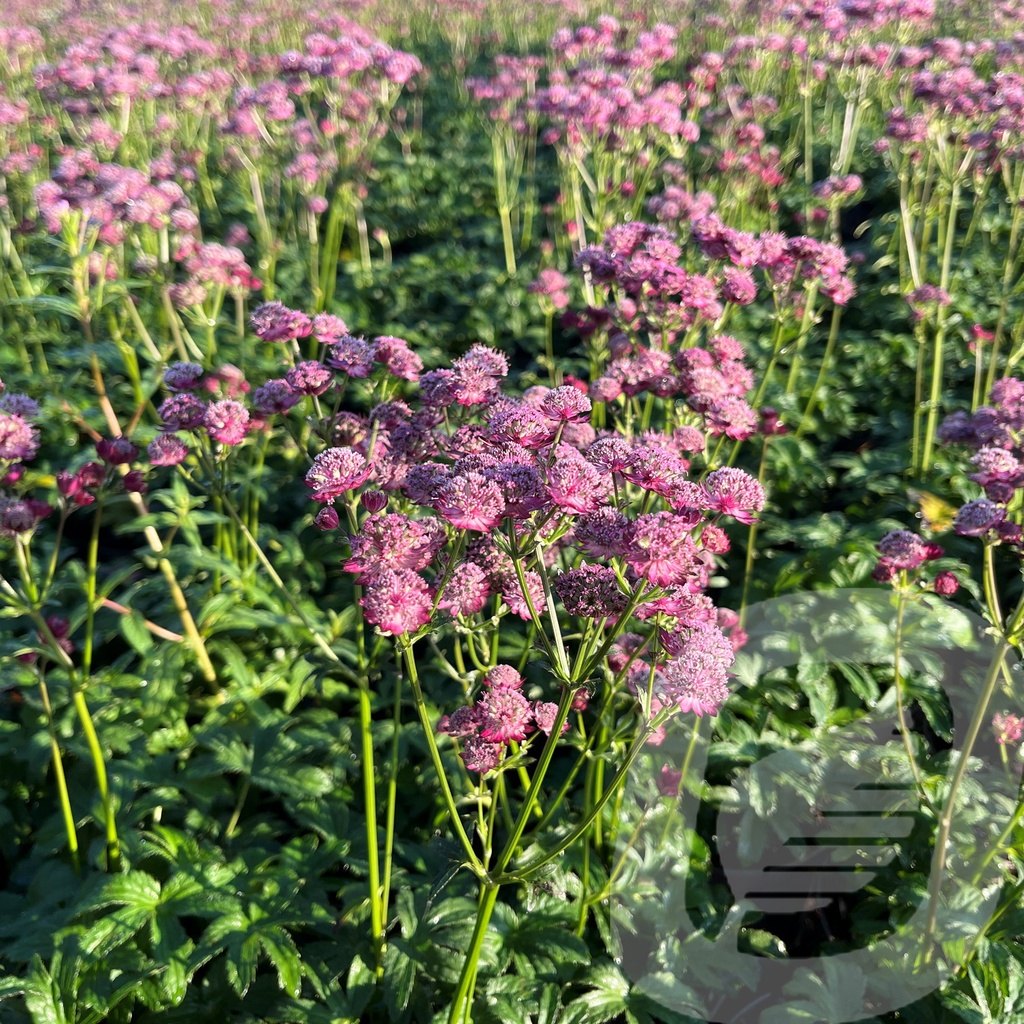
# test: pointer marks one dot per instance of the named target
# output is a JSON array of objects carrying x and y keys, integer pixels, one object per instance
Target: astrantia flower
[
  {"x": 604, "y": 533},
  {"x": 566, "y": 403},
  {"x": 978, "y": 517},
  {"x": 470, "y": 501},
  {"x": 329, "y": 329},
  {"x": 276, "y": 396},
  {"x": 512, "y": 593},
  {"x": 591, "y": 591},
  {"x": 544, "y": 715},
  {"x": 352, "y": 356},
  {"x": 116, "y": 451},
  {"x": 397, "y": 601},
  {"x": 310, "y": 378},
  {"x": 573, "y": 483},
  {"x": 167, "y": 450},
  {"x": 467, "y": 590},
  {"x": 393, "y": 541},
  {"x": 503, "y": 677},
  {"x": 733, "y": 417},
  {"x": 397, "y": 357},
  {"x": 335, "y": 471},
  {"x": 19, "y": 440},
  {"x": 479, "y": 755},
  {"x": 461, "y": 723},
  {"x": 524, "y": 425},
  {"x": 1007, "y": 728},
  {"x": 183, "y": 376},
  {"x": 734, "y": 493},
  {"x": 662, "y": 549},
  {"x": 902, "y": 549},
  {"x": 182, "y": 412},
  {"x": 274, "y": 321},
  {"x": 696, "y": 680},
  {"x": 227, "y": 421},
  {"x": 504, "y": 715}
]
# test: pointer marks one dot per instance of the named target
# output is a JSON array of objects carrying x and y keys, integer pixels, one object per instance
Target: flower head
[{"x": 335, "y": 471}]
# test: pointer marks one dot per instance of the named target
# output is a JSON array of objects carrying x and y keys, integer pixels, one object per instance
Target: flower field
[{"x": 511, "y": 513}]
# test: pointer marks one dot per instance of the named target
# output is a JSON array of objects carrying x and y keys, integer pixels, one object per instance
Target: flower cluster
[
  {"x": 903, "y": 553},
  {"x": 994, "y": 434},
  {"x": 501, "y": 716}
]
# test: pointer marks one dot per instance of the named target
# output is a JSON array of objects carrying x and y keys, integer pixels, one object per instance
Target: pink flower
[
  {"x": 227, "y": 421},
  {"x": 503, "y": 677},
  {"x": 1007, "y": 728},
  {"x": 19, "y": 440},
  {"x": 566, "y": 403},
  {"x": 470, "y": 501},
  {"x": 504, "y": 715},
  {"x": 696, "y": 679},
  {"x": 902, "y": 549},
  {"x": 335, "y": 471},
  {"x": 393, "y": 541},
  {"x": 573, "y": 483},
  {"x": 662, "y": 549},
  {"x": 397, "y": 601},
  {"x": 735, "y": 493},
  {"x": 481, "y": 756},
  {"x": 544, "y": 714},
  {"x": 467, "y": 590},
  {"x": 167, "y": 450}
]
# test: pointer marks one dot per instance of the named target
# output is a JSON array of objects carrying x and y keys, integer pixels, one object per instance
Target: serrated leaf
[
  {"x": 280, "y": 948},
  {"x": 399, "y": 978}
]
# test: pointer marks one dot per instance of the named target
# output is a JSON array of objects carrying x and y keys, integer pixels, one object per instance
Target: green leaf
[
  {"x": 280, "y": 948},
  {"x": 399, "y": 977}
]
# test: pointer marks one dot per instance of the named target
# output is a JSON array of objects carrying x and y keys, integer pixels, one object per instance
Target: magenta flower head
[
  {"x": 397, "y": 601},
  {"x": 1007, "y": 728},
  {"x": 504, "y": 715},
  {"x": 327, "y": 518},
  {"x": 19, "y": 440},
  {"x": 566, "y": 403},
  {"x": 309, "y": 378},
  {"x": 662, "y": 549},
  {"x": 274, "y": 321},
  {"x": 902, "y": 549},
  {"x": 503, "y": 677},
  {"x": 183, "y": 376},
  {"x": 182, "y": 412},
  {"x": 735, "y": 493},
  {"x": 544, "y": 715},
  {"x": 696, "y": 680},
  {"x": 470, "y": 501},
  {"x": 574, "y": 484},
  {"x": 275, "y": 396},
  {"x": 480, "y": 755},
  {"x": 335, "y": 471},
  {"x": 227, "y": 421},
  {"x": 976, "y": 518},
  {"x": 116, "y": 451},
  {"x": 946, "y": 584}
]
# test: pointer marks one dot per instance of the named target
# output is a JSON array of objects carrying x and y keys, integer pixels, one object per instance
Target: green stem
[
  {"x": 462, "y": 1001},
  {"x": 370, "y": 801},
  {"x": 62, "y": 783},
  {"x": 940, "y": 336},
  {"x": 435, "y": 756}
]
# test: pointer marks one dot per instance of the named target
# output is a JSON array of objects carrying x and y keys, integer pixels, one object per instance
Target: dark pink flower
[
  {"x": 397, "y": 601},
  {"x": 335, "y": 471},
  {"x": 504, "y": 715},
  {"x": 470, "y": 501},
  {"x": 227, "y": 421},
  {"x": 734, "y": 493}
]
